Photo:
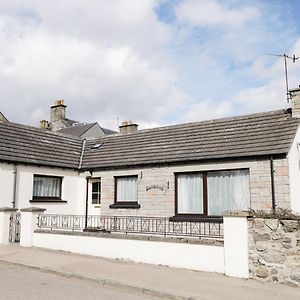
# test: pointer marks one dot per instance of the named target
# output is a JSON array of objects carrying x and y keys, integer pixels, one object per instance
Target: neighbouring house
[
  {"x": 59, "y": 123},
  {"x": 3, "y": 118},
  {"x": 183, "y": 172},
  {"x": 87, "y": 130}
]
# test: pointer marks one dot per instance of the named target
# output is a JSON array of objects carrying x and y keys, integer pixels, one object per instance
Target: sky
[{"x": 154, "y": 62}]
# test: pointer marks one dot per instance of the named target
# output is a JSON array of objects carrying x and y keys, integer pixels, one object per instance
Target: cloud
[
  {"x": 98, "y": 58},
  {"x": 213, "y": 13},
  {"x": 191, "y": 60}
]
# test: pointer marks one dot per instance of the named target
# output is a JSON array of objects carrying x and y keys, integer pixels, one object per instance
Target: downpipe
[
  {"x": 15, "y": 173},
  {"x": 272, "y": 182}
]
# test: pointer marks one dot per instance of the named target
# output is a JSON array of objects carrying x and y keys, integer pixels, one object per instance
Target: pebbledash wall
[
  {"x": 159, "y": 200},
  {"x": 73, "y": 189},
  {"x": 274, "y": 250}
]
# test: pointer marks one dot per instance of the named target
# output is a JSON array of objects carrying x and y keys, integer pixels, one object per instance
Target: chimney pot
[
  {"x": 60, "y": 102},
  {"x": 44, "y": 124}
]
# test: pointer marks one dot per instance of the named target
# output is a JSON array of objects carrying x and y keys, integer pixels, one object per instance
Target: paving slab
[{"x": 160, "y": 281}]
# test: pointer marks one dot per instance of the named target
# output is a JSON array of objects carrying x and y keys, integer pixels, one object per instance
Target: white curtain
[
  {"x": 228, "y": 190},
  {"x": 127, "y": 189},
  {"x": 46, "y": 186},
  {"x": 190, "y": 194}
]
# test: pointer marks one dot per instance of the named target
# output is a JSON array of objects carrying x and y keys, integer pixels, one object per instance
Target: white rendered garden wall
[{"x": 191, "y": 256}]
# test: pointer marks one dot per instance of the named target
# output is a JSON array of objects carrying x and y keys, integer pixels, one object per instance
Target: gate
[{"x": 14, "y": 227}]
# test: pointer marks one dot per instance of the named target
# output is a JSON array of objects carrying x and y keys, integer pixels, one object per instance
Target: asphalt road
[{"x": 19, "y": 282}]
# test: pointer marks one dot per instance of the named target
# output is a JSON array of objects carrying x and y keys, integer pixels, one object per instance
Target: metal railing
[{"x": 209, "y": 227}]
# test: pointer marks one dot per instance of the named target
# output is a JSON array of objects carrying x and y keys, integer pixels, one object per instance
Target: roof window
[{"x": 96, "y": 146}]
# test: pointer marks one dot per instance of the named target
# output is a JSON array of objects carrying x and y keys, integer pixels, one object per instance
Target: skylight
[{"x": 96, "y": 146}]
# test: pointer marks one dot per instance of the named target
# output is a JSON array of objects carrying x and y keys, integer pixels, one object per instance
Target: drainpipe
[
  {"x": 272, "y": 182},
  {"x": 81, "y": 155},
  {"x": 86, "y": 202},
  {"x": 15, "y": 172}
]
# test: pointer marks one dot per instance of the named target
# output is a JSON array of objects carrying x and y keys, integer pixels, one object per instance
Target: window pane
[
  {"x": 96, "y": 192},
  {"x": 96, "y": 198},
  {"x": 190, "y": 193},
  {"x": 228, "y": 190},
  {"x": 127, "y": 189},
  {"x": 95, "y": 187},
  {"x": 46, "y": 186}
]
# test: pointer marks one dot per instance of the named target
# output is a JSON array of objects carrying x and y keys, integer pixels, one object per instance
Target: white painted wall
[
  {"x": 6, "y": 184},
  {"x": 294, "y": 173},
  {"x": 73, "y": 189},
  {"x": 4, "y": 227},
  {"x": 197, "y": 257},
  {"x": 236, "y": 252}
]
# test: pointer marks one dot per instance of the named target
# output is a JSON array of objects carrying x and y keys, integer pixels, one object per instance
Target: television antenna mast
[{"x": 285, "y": 57}]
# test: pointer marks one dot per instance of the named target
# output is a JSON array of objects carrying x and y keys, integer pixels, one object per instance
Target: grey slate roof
[
  {"x": 77, "y": 130},
  {"x": 69, "y": 122},
  {"x": 25, "y": 144},
  {"x": 108, "y": 131},
  {"x": 243, "y": 136},
  {"x": 80, "y": 129}
]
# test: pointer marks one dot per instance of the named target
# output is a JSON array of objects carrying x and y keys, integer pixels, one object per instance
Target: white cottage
[{"x": 184, "y": 172}]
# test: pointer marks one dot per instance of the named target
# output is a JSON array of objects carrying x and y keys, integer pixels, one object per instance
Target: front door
[{"x": 94, "y": 197}]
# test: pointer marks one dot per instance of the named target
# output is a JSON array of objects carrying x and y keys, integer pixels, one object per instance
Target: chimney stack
[
  {"x": 44, "y": 124},
  {"x": 58, "y": 115},
  {"x": 128, "y": 127},
  {"x": 295, "y": 101}
]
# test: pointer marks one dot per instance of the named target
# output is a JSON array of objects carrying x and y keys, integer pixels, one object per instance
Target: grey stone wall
[
  {"x": 161, "y": 202},
  {"x": 274, "y": 250}
]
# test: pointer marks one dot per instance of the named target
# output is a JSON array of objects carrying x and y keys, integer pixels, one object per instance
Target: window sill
[
  {"x": 47, "y": 200},
  {"x": 191, "y": 218},
  {"x": 133, "y": 205}
]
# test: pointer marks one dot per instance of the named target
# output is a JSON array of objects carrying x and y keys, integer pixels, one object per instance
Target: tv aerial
[{"x": 285, "y": 57}]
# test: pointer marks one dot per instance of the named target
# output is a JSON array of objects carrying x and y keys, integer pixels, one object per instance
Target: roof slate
[
  {"x": 80, "y": 129},
  {"x": 243, "y": 136},
  {"x": 25, "y": 144},
  {"x": 108, "y": 131},
  {"x": 77, "y": 130}
]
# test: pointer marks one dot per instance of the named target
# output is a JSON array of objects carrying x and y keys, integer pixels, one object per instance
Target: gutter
[{"x": 272, "y": 182}]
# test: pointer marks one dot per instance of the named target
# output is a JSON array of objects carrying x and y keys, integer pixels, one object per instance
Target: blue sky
[{"x": 154, "y": 62}]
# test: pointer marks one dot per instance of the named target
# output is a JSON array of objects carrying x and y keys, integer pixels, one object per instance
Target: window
[
  {"x": 96, "y": 192},
  {"x": 126, "y": 192},
  {"x": 212, "y": 193},
  {"x": 47, "y": 187},
  {"x": 190, "y": 194}
]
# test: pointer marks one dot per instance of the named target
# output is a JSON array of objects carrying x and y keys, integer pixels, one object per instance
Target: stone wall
[
  {"x": 274, "y": 250},
  {"x": 161, "y": 201}
]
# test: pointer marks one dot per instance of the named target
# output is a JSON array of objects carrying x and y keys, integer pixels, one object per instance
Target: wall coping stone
[
  {"x": 33, "y": 209},
  {"x": 8, "y": 209},
  {"x": 109, "y": 235},
  {"x": 236, "y": 213}
]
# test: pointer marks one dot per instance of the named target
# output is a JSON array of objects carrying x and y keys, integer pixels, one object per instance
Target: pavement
[
  {"x": 19, "y": 282},
  {"x": 156, "y": 281}
]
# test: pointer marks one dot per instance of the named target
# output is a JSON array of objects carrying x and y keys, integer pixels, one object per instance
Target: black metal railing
[{"x": 209, "y": 228}]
